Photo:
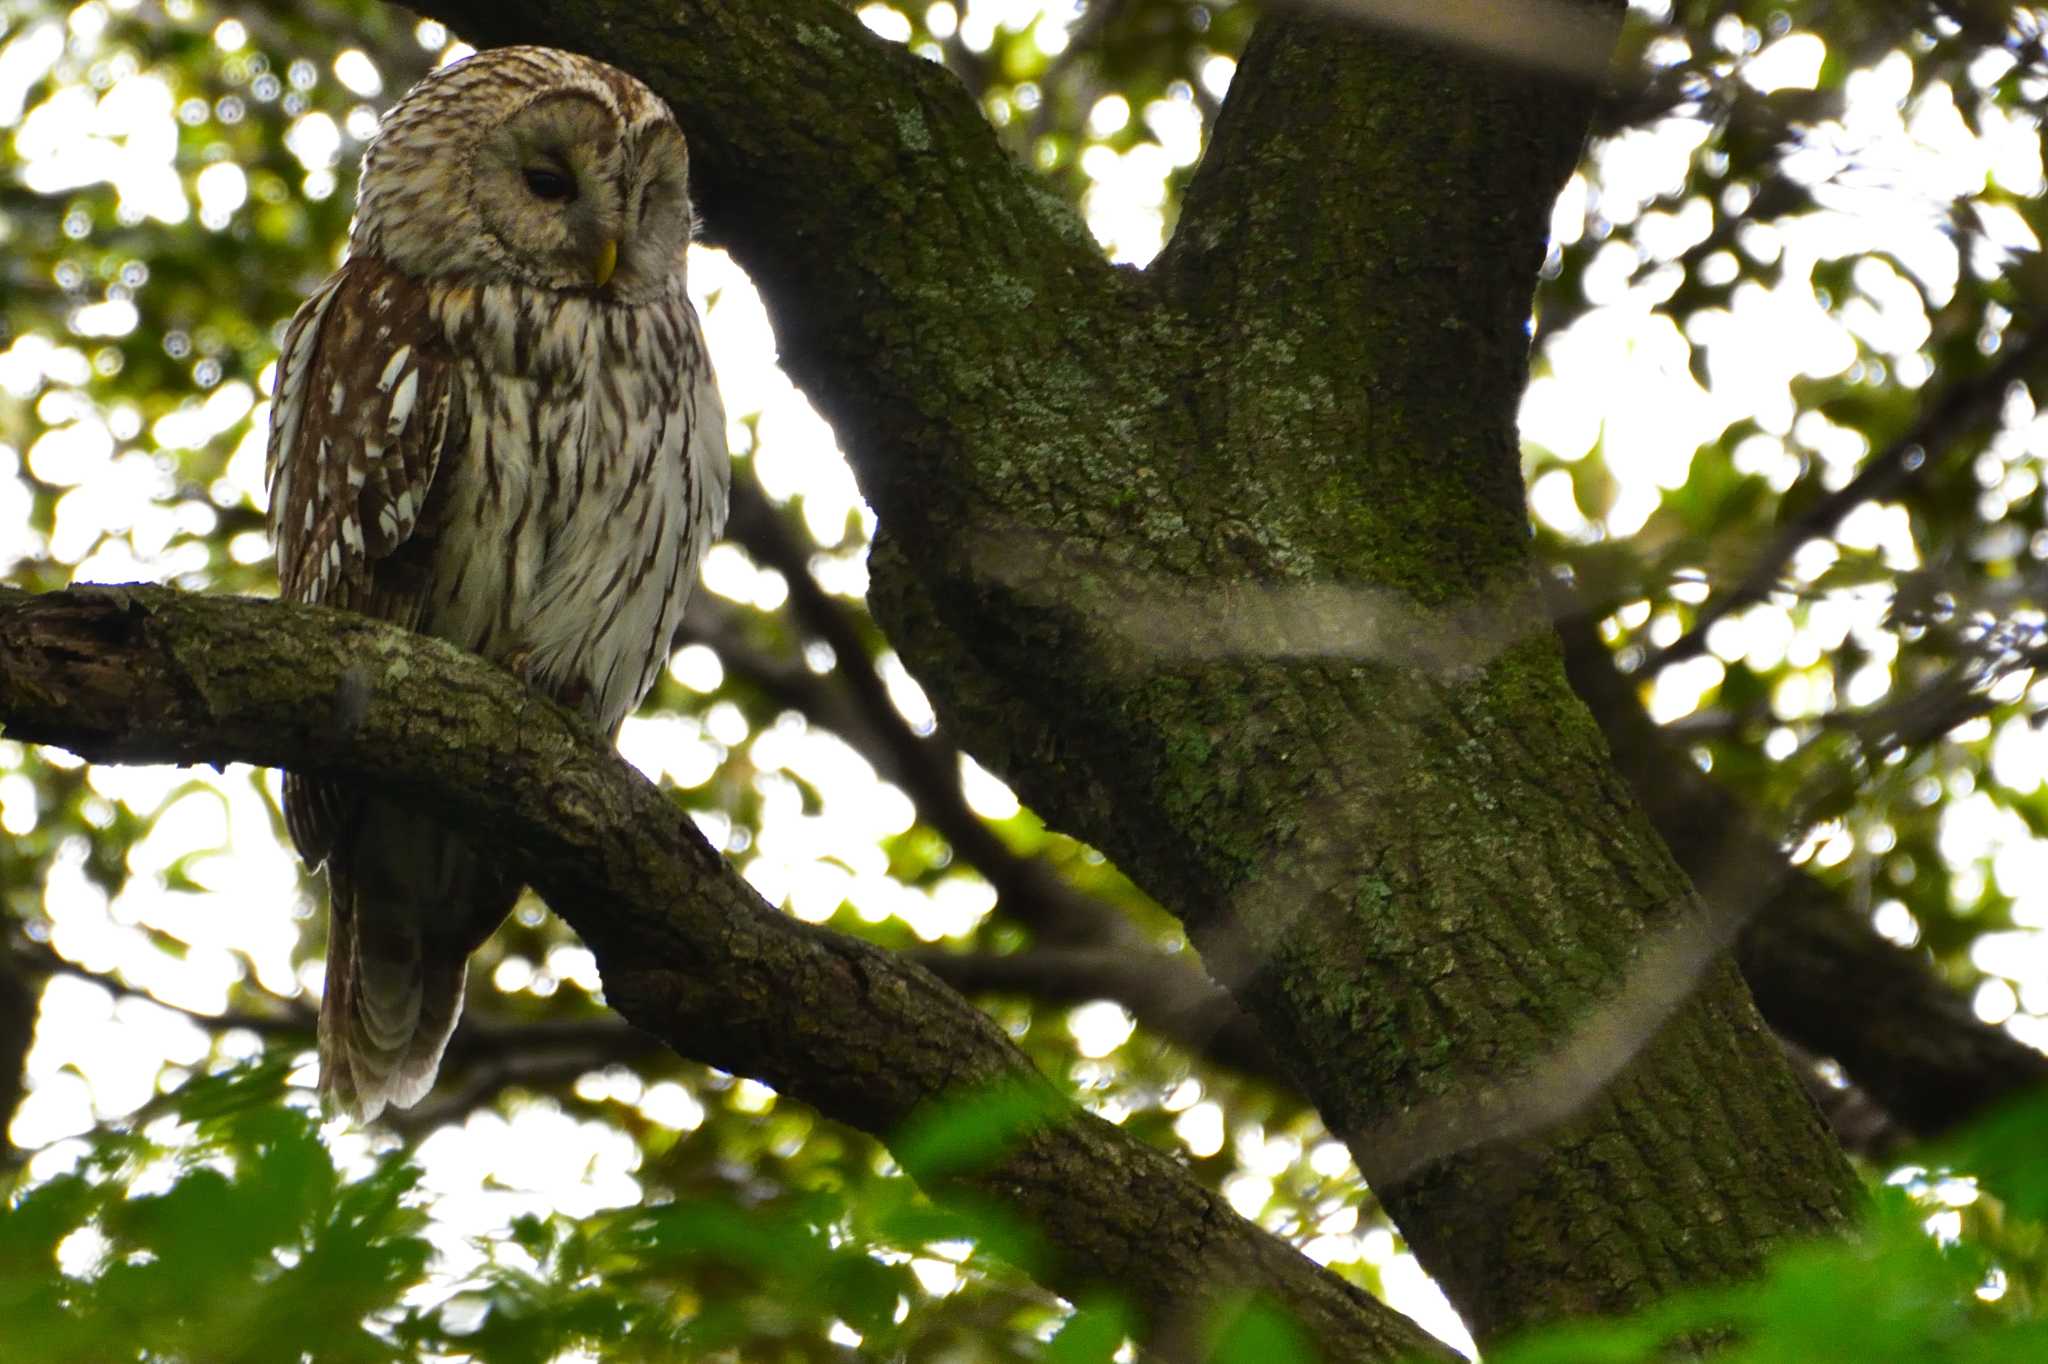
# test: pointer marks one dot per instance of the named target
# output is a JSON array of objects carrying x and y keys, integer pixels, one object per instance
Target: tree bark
[
  {"x": 1910, "y": 1036},
  {"x": 687, "y": 950},
  {"x": 1225, "y": 566},
  {"x": 17, "y": 1036}
]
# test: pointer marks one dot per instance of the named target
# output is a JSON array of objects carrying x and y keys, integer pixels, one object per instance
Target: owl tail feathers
[{"x": 390, "y": 1005}]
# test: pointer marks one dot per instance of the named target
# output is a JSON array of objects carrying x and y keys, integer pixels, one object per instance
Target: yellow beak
[{"x": 607, "y": 261}]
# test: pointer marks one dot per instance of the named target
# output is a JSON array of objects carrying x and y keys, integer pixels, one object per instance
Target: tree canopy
[{"x": 1250, "y": 420}]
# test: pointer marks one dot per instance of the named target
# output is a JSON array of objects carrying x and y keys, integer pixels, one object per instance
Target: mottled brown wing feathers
[
  {"x": 365, "y": 389},
  {"x": 363, "y": 403}
]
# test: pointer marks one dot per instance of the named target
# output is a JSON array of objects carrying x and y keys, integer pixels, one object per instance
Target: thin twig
[
  {"x": 1941, "y": 425},
  {"x": 928, "y": 768},
  {"x": 1161, "y": 992}
]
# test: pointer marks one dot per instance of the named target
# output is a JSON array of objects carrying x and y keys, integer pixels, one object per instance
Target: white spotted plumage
[{"x": 497, "y": 424}]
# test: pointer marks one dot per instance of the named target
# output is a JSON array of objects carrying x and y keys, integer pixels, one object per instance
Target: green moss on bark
[{"x": 1116, "y": 506}]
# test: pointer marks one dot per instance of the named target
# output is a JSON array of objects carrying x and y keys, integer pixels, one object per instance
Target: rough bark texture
[
  {"x": 1225, "y": 566},
  {"x": 687, "y": 950}
]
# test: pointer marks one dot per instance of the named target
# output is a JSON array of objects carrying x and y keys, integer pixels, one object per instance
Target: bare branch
[
  {"x": 487, "y": 1077},
  {"x": 17, "y": 1035},
  {"x": 1164, "y": 994},
  {"x": 37, "y": 962},
  {"x": 1943, "y": 422},
  {"x": 2013, "y": 28},
  {"x": 486, "y": 1057},
  {"x": 687, "y": 950},
  {"x": 1822, "y": 976},
  {"x": 1028, "y": 890}
]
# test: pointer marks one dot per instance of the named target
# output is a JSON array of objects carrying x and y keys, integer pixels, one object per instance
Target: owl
[{"x": 495, "y": 424}]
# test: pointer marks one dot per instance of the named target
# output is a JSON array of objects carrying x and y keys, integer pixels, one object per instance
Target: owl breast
[{"x": 587, "y": 479}]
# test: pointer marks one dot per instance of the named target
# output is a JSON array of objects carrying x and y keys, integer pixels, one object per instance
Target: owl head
[{"x": 529, "y": 165}]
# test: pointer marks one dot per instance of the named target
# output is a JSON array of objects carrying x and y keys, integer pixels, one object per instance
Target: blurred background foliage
[{"x": 1783, "y": 446}]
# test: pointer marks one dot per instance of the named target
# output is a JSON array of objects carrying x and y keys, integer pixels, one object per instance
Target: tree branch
[
  {"x": 482, "y": 1059},
  {"x": 1161, "y": 992},
  {"x": 17, "y": 1036},
  {"x": 37, "y": 962},
  {"x": 1821, "y": 975},
  {"x": 928, "y": 768},
  {"x": 687, "y": 950}
]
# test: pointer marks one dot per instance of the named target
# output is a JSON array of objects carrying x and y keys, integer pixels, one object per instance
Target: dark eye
[{"x": 547, "y": 184}]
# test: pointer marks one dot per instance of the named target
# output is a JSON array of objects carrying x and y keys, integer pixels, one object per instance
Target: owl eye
[{"x": 547, "y": 184}]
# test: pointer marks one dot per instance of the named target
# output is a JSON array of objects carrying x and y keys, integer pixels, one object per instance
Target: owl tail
[{"x": 408, "y": 903}]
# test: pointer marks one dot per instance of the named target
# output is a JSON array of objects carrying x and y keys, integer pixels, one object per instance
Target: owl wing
[
  {"x": 366, "y": 393},
  {"x": 365, "y": 402}
]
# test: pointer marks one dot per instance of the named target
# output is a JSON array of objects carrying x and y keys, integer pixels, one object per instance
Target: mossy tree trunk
[{"x": 1225, "y": 565}]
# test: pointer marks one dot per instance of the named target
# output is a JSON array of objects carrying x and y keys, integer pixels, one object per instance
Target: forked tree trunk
[{"x": 1225, "y": 566}]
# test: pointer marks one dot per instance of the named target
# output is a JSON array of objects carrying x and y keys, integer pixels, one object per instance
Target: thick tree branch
[
  {"x": 1821, "y": 974},
  {"x": 687, "y": 950},
  {"x": 1920, "y": 1050}
]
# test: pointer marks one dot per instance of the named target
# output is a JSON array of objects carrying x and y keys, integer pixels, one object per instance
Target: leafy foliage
[
  {"x": 179, "y": 176},
  {"x": 217, "y": 1225},
  {"x": 228, "y": 1234},
  {"x": 1869, "y": 519},
  {"x": 1910, "y": 1286}
]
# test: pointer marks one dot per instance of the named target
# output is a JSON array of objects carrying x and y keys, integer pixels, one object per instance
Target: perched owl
[{"x": 496, "y": 424}]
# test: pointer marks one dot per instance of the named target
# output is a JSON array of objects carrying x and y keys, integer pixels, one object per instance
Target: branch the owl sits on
[{"x": 496, "y": 424}]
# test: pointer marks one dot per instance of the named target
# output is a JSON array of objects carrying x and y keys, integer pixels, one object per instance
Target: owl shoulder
[{"x": 365, "y": 402}]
